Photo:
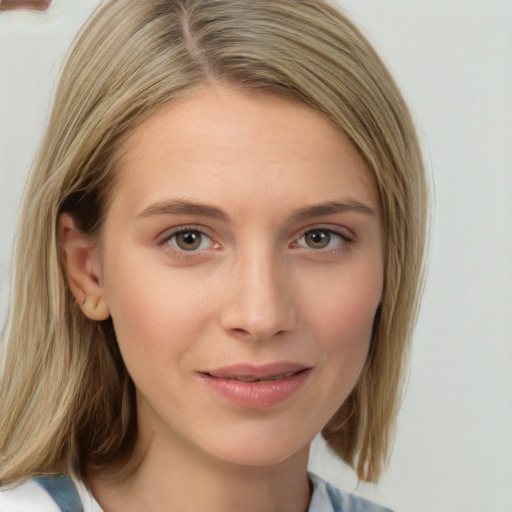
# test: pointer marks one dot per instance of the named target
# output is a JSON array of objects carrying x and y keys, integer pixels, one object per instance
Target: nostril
[
  {"x": 259, "y": 306},
  {"x": 241, "y": 332}
]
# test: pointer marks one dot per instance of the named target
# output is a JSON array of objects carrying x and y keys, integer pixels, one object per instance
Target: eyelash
[
  {"x": 344, "y": 240},
  {"x": 165, "y": 242}
]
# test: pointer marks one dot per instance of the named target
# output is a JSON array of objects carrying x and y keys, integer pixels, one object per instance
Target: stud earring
[{"x": 96, "y": 310}]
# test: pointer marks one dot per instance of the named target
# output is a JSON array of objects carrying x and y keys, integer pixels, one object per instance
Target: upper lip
[{"x": 251, "y": 371}]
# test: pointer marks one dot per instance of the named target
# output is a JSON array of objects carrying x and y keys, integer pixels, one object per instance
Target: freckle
[{"x": 31, "y": 5}]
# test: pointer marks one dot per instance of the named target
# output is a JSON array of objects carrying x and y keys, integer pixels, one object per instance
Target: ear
[{"x": 83, "y": 269}]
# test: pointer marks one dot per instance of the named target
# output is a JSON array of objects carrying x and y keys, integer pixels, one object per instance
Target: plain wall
[{"x": 453, "y": 61}]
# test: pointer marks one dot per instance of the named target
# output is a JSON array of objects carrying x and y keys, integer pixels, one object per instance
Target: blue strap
[{"x": 63, "y": 491}]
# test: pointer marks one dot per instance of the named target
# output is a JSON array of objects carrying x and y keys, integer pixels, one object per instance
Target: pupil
[
  {"x": 188, "y": 240},
  {"x": 318, "y": 239}
]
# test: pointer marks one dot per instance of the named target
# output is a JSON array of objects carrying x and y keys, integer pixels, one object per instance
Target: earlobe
[
  {"x": 96, "y": 308},
  {"x": 83, "y": 270}
]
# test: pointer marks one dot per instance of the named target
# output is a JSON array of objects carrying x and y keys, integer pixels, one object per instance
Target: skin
[{"x": 256, "y": 284}]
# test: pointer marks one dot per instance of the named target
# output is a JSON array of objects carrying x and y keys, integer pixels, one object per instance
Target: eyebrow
[
  {"x": 331, "y": 208},
  {"x": 186, "y": 207},
  {"x": 183, "y": 207}
]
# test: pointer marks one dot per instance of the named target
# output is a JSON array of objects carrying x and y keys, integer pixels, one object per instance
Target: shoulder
[
  {"x": 327, "y": 498},
  {"x": 46, "y": 494}
]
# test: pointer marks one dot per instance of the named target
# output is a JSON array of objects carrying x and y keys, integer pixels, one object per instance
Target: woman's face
[{"x": 242, "y": 265}]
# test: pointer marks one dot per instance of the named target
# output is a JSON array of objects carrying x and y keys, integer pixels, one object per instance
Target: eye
[
  {"x": 189, "y": 240},
  {"x": 320, "y": 238}
]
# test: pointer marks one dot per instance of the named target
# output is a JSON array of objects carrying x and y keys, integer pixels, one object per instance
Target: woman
[{"x": 219, "y": 256}]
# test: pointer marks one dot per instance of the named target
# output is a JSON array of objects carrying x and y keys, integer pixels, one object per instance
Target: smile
[{"x": 256, "y": 387}]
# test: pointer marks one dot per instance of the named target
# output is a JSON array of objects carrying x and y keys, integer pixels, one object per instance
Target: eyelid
[
  {"x": 168, "y": 233},
  {"x": 163, "y": 239},
  {"x": 346, "y": 233},
  {"x": 346, "y": 239}
]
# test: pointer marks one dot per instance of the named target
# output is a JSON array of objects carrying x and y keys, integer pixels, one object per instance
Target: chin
[{"x": 259, "y": 450}]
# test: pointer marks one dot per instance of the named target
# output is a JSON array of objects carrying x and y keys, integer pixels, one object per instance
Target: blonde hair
[{"x": 65, "y": 394}]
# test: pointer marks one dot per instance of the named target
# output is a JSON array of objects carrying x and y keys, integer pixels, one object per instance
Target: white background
[{"x": 453, "y": 60}]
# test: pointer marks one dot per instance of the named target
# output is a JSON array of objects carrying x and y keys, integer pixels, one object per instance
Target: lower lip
[{"x": 256, "y": 394}]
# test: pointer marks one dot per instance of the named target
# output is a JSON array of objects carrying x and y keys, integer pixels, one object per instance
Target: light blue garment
[
  {"x": 63, "y": 491},
  {"x": 54, "y": 494},
  {"x": 327, "y": 498}
]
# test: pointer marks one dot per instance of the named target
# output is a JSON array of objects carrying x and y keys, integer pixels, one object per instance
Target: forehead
[{"x": 231, "y": 145}]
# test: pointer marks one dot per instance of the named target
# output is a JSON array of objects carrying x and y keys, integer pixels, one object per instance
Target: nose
[{"x": 259, "y": 301}]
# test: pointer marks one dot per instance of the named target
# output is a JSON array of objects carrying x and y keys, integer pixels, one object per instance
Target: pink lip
[{"x": 260, "y": 393}]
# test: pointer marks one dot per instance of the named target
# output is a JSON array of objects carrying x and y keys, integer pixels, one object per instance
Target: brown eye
[
  {"x": 318, "y": 238},
  {"x": 189, "y": 240}
]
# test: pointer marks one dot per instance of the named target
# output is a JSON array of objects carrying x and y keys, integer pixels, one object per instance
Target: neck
[{"x": 171, "y": 476}]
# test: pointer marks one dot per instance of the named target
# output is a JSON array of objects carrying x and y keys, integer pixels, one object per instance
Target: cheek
[
  {"x": 344, "y": 321},
  {"x": 346, "y": 314},
  {"x": 157, "y": 315}
]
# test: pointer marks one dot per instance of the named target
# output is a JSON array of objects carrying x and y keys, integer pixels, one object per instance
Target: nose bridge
[{"x": 260, "y": 301}]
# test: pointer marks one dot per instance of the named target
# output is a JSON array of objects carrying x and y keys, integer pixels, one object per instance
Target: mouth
[
  {"x": 270, "y": 378},
  {"x": 250, "y": 373},
  {"x": 256, "y": 386}
]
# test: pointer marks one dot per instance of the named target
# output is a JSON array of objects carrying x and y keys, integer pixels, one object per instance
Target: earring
[{"x": 96, "y": 310}]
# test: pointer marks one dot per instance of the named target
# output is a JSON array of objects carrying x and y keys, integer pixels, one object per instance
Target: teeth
[
  {"x": 268, "y": 379},
  {"x": 245, "y": 379}
]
